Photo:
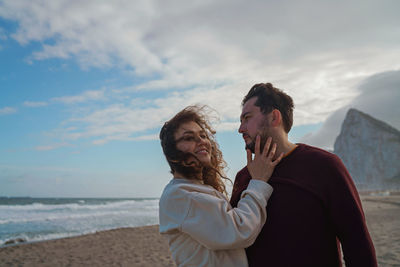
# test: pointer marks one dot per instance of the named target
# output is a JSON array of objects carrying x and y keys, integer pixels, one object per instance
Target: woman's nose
[{"x": 201, "y": 140}]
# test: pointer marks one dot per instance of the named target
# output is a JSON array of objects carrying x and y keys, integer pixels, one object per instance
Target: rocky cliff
[{"x": 370, "y": 149}]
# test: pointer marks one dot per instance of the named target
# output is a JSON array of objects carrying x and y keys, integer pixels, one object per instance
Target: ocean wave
[
  {"x": 79, "y": 206},
  {"x": 37, "y": 237},
  {"x": 73, "y": 216},
  {"x": 38, "y": 221},
  {"x": 43, "y": 237}
]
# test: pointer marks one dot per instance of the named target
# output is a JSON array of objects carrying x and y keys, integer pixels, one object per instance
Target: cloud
[
  {"x": 7, "y": 110},
  {"x": 93, "y": 95},
  {"x": 123, "y": 137},
  {"x": 3, "y": 35},
  {"x": 378, "y": 96},
  {"x": 51, "y": 147},
  {"x": 96, "y": 33},
  {"x": 116, "y": 122},
  {"x": 86, "y": 96},
  {"x": 33, "y": 104},
  {"x": 132, "y": 121},
  {"x": 211, "y": 52},
  {"x": 59, "y": 181}
]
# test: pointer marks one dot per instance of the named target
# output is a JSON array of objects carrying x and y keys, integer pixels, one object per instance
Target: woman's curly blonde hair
[{"x": 210, "y": 174}]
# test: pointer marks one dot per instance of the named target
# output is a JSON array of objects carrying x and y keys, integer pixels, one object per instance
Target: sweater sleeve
[
  {"x": 212, "y": 222},
  {"x": 242, "y": 180},
  {"x": 348, "y": 218}
]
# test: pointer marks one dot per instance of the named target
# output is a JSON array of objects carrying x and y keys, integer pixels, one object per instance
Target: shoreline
[
  {"x": 16, "y": 242},
  {"x": 144, "y": 246}
]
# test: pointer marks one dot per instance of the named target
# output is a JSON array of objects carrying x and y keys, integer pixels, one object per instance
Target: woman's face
[{"x": 190, "y": 137}]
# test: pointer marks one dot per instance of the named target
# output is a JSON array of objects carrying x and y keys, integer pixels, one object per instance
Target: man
[{"x": 315, "y": 206}]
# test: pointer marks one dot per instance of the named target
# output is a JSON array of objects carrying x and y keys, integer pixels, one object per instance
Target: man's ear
[{"x": 276, "y": 118}]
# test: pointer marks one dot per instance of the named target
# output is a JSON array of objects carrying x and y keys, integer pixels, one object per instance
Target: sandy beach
[
  {"x": 383, "y": 219},
  {"x": 144, "y": 246},
  {"x": 140, "y": 246}
]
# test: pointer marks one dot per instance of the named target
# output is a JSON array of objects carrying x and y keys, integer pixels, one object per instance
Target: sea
[{"x": 38, "y": 219}]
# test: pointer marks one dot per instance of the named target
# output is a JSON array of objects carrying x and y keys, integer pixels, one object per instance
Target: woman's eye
[{"x": 188, "y": 138}]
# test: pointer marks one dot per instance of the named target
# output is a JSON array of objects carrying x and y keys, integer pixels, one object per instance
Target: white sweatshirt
[{"x": 204, "y": 230}]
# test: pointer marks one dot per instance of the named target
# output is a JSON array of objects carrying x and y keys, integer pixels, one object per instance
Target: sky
[{"x": 85, "y": 86}]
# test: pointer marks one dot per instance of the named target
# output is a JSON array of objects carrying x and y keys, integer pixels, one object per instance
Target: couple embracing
[{"x": 292, "y": 205}]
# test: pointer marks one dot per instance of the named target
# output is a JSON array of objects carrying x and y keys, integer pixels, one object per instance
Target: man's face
[{"x": 252, "y": 123}]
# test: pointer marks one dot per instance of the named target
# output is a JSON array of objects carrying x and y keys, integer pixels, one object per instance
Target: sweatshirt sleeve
[
  {"x": 348, "y": 218},
  {"x": 215, "y": 224}
]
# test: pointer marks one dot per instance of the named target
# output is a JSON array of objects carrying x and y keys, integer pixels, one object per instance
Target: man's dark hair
[{"x": 270, "y": 98}]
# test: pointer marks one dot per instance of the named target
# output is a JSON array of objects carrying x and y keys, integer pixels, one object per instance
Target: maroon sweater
[{"x": 314, "y": 205}]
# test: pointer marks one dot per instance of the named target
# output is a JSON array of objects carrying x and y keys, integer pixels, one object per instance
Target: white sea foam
[
  {"x": 63, "y": 216},
  {"x": 42, "y": 237},
  {"x": 74, "y": 206},
  {"x": 38, "y": 221}
]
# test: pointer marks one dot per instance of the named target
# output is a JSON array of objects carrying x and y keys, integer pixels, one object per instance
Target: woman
[{"x": 195, "y": 215}]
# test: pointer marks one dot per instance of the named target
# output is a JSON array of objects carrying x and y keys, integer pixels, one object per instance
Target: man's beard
[{"x": 264, "y": 136}]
